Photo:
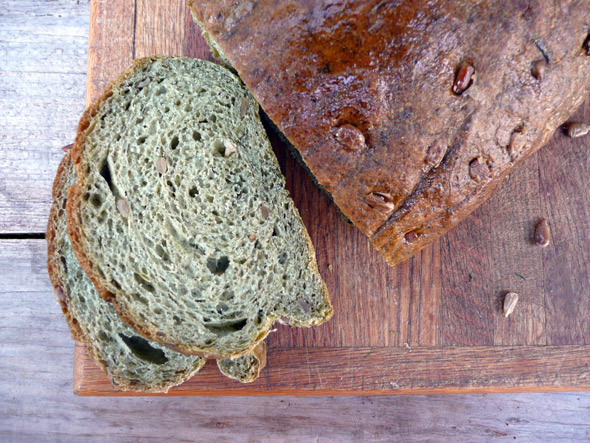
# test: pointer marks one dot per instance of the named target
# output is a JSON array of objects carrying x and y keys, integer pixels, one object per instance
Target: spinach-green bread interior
[
  {"x": 130, "y": 361},
  {"x": 180, "y": 215}
]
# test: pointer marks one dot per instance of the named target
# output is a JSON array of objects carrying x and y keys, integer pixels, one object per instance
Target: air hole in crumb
[
  {"x": 141, "y": 348},
  {"x": 139, "y": 299},
  {"x": 105, "y": 172},
  {"x": 218, "y": 266},
  {"x": 196, "y": 136},
  {"x": 259, "y": 316},
  {"x": 227, "y": 327},
  {"x": 218, "y": 148},
  {"x": 193, "y": 191},
  {"x": 141, "y": 140},
  {"x": 174, "y": 142},
  {"x": 282, "y": 258},
  {"x": 227, "y": 296},
  {"x": 162, "y": 253},
  {"x": 96, "y": 200}
]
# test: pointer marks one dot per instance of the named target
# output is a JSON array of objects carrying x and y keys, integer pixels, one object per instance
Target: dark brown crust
[
  {"x": 54, "y": 276},
  {"x": 387, "y": 69},
  {"x": 76, "y": 236}
]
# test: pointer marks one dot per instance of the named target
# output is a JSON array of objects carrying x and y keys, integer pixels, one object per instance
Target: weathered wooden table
[{"x": 42, "y": 87}]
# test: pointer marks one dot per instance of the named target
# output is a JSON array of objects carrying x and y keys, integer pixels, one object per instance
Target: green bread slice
[
  {"x": 246, "y": 368},
  {"x": 180, "y": 216},
  {"x": 130, "y": 361}
]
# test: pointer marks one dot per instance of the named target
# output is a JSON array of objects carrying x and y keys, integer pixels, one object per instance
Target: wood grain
[
  {"x": 384, "y": 370},
  {"x": 564, "y": 168},
  {"x": 431, "y": 324},
  {"x": 42, "y": 77},
  {"x": 111, "y": 47}
]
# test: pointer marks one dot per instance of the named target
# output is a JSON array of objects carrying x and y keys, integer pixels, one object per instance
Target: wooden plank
[
  {"x": 564, "y": 169},
  {"x": 467, "y": 308},
  {"x": 42, "y": 82},
  {"x": 157, "y": 19},
  {"x": 384, "y": 370},
  {"x": 517, "y": 262},
  {"x": 110, "y": 43}
]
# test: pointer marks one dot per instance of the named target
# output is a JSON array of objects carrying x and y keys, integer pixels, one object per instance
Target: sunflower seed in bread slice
[{"x": 178, "y": 262}]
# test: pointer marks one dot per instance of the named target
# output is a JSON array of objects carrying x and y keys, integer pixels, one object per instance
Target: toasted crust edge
[
  {"x": 259, "y": 353},
  {"x": 58, "y": 184}
]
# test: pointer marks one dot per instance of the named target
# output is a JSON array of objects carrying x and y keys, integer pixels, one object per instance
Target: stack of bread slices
[{"x": 171, "y": 237}]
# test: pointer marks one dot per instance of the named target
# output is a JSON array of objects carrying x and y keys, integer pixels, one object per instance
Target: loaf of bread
[
  {"x": 408, "y": 113},
  {"x": 129, "y": 361},
  {"x": 180, "y": 217}
]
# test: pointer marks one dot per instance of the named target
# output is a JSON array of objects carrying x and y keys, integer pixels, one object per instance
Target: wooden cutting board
[{"x": 433, "y": 324}]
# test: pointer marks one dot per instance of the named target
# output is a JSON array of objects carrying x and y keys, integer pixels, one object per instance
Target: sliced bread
[
  {"x": 246, "y": 368},
  {"x": 180, "y": 216},
  {"x": 130, "y": 361}
]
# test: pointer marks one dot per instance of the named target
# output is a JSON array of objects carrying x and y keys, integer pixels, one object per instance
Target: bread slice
[
  {"x": 130, "y": 361},
  {"x": 246, "y": 368},
  {"x": 408, "y": 113},
  {"x": 180, "y": 216}
]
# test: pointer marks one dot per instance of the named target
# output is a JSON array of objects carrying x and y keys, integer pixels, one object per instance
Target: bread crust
[
  {"x": 56, "y": 281},
  {"x": 364, "y": 90},
  {"x": 259, "y": 354},
  {"x": 77, "y": 238}
]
